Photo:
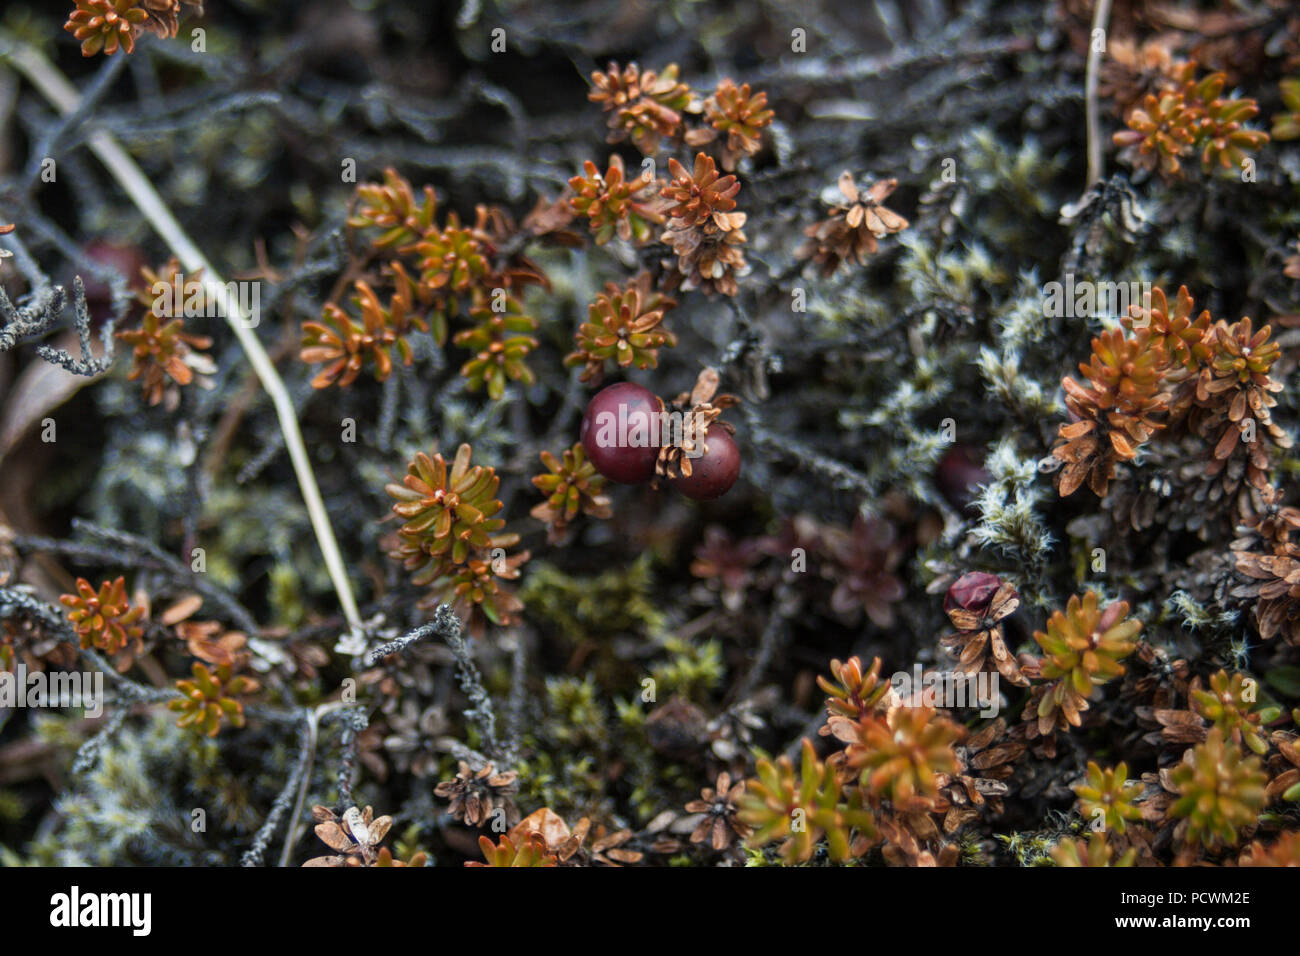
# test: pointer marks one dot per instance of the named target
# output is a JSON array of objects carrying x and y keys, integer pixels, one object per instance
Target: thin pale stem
[
  {"x": 304, "y": 782},
  {"x": 64, "y": 96},
  {"x": 1100, "y": 21}
]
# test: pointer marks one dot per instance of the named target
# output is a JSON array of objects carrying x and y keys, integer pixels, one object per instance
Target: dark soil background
[{"x": 892, "y": 420}]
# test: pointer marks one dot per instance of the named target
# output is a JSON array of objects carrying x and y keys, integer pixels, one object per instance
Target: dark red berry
[
  {"x": 973, "y": 592},
  {"x": 676, "y": 729},
  {"x": 957, "y": 474},
  {"x": 715, "y": 471},
  {"x": 621, "y": 432},
  {"x": 128, "y": 260}
]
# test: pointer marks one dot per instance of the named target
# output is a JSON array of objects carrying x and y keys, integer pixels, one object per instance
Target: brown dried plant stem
[{"x": 63, "y": 95}]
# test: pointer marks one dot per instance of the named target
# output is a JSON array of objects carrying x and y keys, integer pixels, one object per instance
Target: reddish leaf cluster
[
  {"x": 623, "y": 325},
  {"x": 164, "y": 355},
  {"x": 433, "y": 276},
  {"x": 1268, "y": 559},
  {"x": 450, "y": 537},
  {"x": 850, "y": 232},
  {"x": 643, "y": 105},
  {"x": 1209, "y": 380},
  {"x": 105, "y": 26},
  {"x": 615, "y": 205},
  {"x": 1188, "y": 117},
  {"x": 648, "y": 107},
  {"x": 704, "y": 231}
]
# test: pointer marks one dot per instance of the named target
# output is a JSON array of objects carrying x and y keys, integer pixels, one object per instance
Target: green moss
[
  {"x": 691, "y": 671},
  {"x": 596, "y": 608}
]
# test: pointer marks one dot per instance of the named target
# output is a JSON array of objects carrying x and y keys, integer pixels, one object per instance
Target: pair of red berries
[{"x": 622, "y": 433}]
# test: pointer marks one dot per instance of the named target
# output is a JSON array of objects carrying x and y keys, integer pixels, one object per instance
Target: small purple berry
[
  {"x": 714, "y": 472},
  {"x": 973, "y": 592},
  {"x": 621, "y": 432}
]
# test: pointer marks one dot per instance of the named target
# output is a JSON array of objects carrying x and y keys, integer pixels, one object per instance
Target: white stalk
[
  {"x": 1100, "y": 22},
  {"x": 64, "y": 96}
]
